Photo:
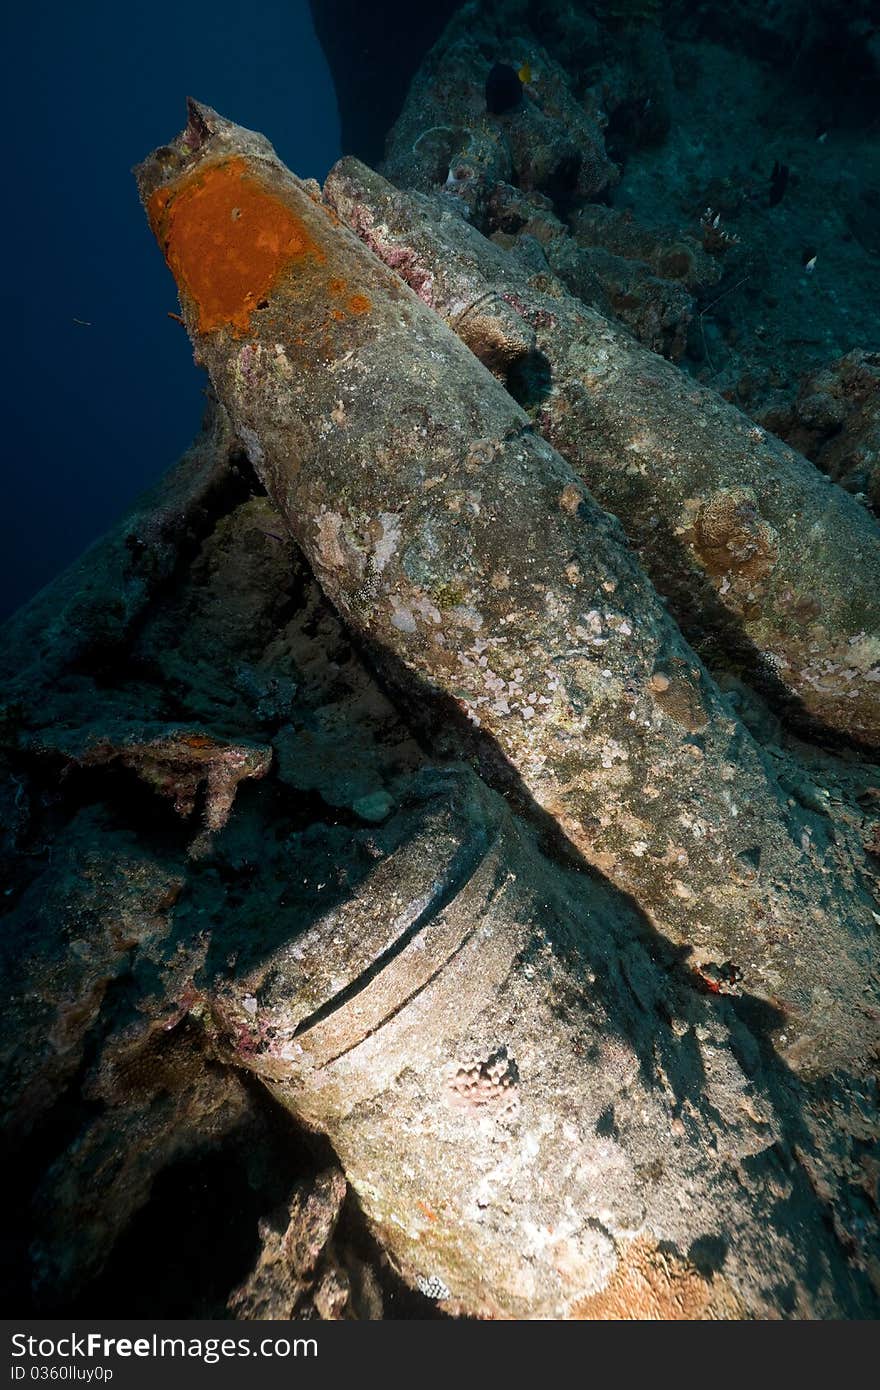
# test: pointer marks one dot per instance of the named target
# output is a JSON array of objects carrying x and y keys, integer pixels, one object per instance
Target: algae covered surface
[{"x": 441, "y": 822}]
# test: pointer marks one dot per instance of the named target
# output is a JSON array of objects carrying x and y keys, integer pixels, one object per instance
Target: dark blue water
[{"x": 95, "y": 413}]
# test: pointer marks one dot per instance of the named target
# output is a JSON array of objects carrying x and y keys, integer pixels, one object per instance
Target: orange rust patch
[
  {"x": 359, "y": 304},
  {"x": 654, "y": 1285},
  {"x": 227, "y": 239},
  {"x": 337, "y": 285}
]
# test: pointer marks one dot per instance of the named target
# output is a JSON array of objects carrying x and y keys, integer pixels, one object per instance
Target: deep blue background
[{"x": 95, "y": 414}]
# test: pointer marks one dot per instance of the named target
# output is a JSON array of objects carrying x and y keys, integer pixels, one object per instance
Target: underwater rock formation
[
  {"x": 794, "y": 278},
  {"x": 835, "y": 421},
  {"x": 303, "y": 1270},
  {"x": 551, "y": 146}
]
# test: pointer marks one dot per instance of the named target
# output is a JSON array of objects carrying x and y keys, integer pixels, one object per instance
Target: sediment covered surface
[{"x": 402, "y": 836}]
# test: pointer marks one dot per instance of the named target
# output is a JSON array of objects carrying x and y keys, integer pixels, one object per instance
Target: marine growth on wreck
[{"x": 441, "y": 820}]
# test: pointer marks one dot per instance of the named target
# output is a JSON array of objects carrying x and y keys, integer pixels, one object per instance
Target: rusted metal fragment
[{"x": 185, "y": 765}]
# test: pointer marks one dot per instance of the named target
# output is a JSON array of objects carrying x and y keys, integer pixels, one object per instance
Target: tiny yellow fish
[{"x": 525, "y": 74}]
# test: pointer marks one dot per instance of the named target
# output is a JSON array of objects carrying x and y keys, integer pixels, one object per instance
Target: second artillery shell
[{"x": 764, "y": 561}]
